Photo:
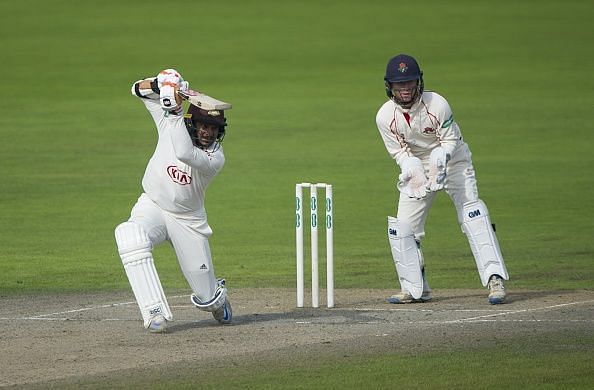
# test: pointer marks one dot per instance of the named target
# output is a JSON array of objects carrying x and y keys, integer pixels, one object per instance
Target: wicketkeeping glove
[
  {"x": 168, "y": 80},
  {"x": 412, "y": 181},
  {"x": 437, "y": 169}
]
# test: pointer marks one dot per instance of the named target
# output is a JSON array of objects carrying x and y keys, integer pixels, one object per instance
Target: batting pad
[
  {"x": 135, "y": 251},
  {"x": 483, "y": 241},
  {"x": 406, "y": 257}
]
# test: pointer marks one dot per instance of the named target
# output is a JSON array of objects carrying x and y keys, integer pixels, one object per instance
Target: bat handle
[{"x": 181, "y": 94}]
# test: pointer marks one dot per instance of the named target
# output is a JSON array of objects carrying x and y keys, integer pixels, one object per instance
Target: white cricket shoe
[
  {"x": 496, "y": 290},
  {"x": 225, "y": 314},
  {"x": 221, "y": 312},
  {"x": 158, "y": 324},
  {"x": 405, "y": 297}
]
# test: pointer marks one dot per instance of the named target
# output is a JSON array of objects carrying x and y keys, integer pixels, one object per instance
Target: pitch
[{"x": 96, "y": 340}]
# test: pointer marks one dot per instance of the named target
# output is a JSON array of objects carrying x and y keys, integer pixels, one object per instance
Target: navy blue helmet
[{"x": 403, "y": 68}]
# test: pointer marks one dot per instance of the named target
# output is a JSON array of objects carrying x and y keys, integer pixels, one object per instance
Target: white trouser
[
  {"x": 460, "y": 185},
  {"x": 473, "y": 217},
  {"x": 189, "y": 238}
]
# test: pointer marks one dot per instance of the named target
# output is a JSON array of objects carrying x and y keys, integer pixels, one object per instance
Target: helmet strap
[{"x": 388, "y": 89}]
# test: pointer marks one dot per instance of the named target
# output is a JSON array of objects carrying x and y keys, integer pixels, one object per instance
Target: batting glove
[
  {"x": 168, "y": 81},
  {"x": 437, "y": 169},
  {"x": 412, "y": 180},
  {"x": 184, "y": 86}
]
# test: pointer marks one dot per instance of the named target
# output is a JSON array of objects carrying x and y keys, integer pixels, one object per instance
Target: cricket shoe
[
  {"x": 405, "y": 297},
  {"x": 496, "y": 290},
  {"x": 224, "y": 314},
  {"x": 219, "y": 305},
  {"x": 158, "y": 324}
]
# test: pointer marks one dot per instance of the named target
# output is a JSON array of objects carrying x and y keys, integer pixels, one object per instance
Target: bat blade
[{"x": 203, "y": 101}]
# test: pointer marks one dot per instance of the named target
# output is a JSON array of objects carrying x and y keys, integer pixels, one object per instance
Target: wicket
[{"x": 313, "y": 202}]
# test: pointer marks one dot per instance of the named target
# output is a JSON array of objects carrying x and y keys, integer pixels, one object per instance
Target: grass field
[
  {"x": 305, "y": 79},
  {"x": 518, "y": 366}
]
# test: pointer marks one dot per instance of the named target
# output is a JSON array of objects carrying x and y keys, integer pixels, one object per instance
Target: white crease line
[
  {"x": 535, "y": 320},
  {"x": 41, "y": 316},
  {"x": 424, "y": 310},
  {"x": 60, "y": 319},
  {"x": 472, "y": 319},
  {"x": 431, "y": 322},
  {"x": 478, "y": 318},
  {"x": 66, "y": 319},
  {"x": 516, "y": 312}
]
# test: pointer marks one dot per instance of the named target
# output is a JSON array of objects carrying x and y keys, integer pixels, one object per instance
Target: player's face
[
  {"x": 207, "y": 134},
  {"x": 404, "y": 91}
]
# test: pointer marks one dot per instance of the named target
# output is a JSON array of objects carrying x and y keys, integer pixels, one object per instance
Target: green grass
[
  {"x": 305, "y": 79},
  {"x": 554, "y": 361},
  {"x": 452, "y": 370}
]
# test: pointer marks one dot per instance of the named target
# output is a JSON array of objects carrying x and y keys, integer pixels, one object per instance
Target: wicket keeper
[{"x": 421, "y": 135}]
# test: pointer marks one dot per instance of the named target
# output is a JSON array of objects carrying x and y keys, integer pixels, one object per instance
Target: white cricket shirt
[
  {"x": 429, "y": 123},
  {"x": 178, "y": 173}
]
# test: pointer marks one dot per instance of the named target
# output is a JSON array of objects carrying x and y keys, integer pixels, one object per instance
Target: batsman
[
  {"x": 188, "y": 156},
  {"x": 421, "y": 135}
]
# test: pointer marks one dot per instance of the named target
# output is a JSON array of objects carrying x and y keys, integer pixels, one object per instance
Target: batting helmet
[
  {"x": 400, "y": 69},
  {"x": 196, "y": 116}
]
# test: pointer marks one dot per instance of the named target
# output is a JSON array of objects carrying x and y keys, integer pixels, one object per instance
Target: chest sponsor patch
[
  {"x": 428, "y": 130},
  {"x": 178, "y": 176}
]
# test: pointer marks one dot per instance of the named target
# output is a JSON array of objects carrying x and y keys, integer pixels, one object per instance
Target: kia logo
[{"x": 178, "y": 176}]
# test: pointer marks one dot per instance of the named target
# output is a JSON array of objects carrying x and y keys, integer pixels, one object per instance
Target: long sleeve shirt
[
  {"x": 428, "y": 124},
  {"x": 178, "y": 173}
]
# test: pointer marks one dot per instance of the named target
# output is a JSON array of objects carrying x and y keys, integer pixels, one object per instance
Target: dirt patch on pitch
[{"x": 72, "y": 337}]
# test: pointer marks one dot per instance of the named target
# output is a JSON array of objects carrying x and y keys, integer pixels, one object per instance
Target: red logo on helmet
[
  {"x": 402, "y": 67},
  {"x": 178, "y": 176}
]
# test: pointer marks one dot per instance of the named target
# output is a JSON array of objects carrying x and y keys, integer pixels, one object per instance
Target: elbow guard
[{"x": 146, "y": 93}]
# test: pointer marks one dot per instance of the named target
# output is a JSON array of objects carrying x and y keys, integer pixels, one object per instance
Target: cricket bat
[{"x": 203, "y": 101}]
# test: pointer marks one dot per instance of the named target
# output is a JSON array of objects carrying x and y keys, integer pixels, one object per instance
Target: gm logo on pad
[
  {"x": 392, "y": 232},
  {"x": 474, "y": 213}
]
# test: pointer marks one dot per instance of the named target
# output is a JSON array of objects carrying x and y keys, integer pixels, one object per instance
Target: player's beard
[
  {"x": 205, "y": 138},
  {"x": 205, "y": 142}
]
